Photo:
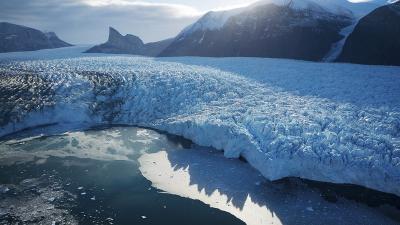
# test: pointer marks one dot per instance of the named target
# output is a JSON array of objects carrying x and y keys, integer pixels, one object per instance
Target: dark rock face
[
  {"x": 118, "y": 44},
  {"x": 155, "y": 48},
  {"x": 56, "y": 42},
  {"x": 128, "y": 44},
  {"x": 15, "y": 38},
  {"x": 375, "y": 39},
  {"x": 266, "y": 31}
]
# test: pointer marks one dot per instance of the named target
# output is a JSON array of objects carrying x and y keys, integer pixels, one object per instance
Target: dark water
[
  {"x": 99, "y": 192},
  {"x": 76, "y": 190}
]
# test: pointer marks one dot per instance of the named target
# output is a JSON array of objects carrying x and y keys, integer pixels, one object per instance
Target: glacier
[{"x": 320, "y": 121}]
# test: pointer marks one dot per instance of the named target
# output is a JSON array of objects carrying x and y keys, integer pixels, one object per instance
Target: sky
[{"x": 87, "y": 21}]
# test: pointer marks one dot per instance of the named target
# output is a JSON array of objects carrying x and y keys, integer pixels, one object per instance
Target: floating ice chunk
[
  {"x": 3, "y": 189},
  {"x": 310, "y": 209},
  {"x": 3, "y": 211}
]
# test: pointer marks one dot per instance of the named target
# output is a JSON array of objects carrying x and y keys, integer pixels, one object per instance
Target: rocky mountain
[
  {"x": 55, "y": 41},
  {"x": 15, "y": 38},
  {"x": 118, "y": 44},
  {"x": 155, "y": 48},
  {"x": 299, "y": 29},
  {"x": 265, "y": 30},
  {"x": 375, "y": 39},
  {"x": 129, "y": 44}
]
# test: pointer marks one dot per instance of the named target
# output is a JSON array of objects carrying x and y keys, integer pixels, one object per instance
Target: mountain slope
[
  {"x": 15, "y": 38},
  {"x": 267, "y": 30},
  {"x": 155, "y": 48},
  {"x": 375, "y": 39}
]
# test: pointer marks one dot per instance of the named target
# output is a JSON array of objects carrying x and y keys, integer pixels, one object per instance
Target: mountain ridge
[
  {"x": 268, "y": 30},
  {"x": 14, "y": 38},
  {"x": 375, "y": 39},
  {"x": 128, "y": 44}
]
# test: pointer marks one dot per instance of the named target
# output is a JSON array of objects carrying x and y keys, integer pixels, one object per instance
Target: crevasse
[{"x": 327, "y": 122}]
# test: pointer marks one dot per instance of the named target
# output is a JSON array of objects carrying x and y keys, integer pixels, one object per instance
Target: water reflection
[
  {"x": 118, "y": 143},
  {"x": 233, "y": 186}
]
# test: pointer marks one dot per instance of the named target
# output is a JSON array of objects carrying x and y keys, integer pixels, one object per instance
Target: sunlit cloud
[
  {"x": 176, "y": 10},
  {"x": 87, "y": 21}
]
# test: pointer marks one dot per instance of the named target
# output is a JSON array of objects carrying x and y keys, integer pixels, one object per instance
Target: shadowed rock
[
  {"x": 267, "y": 30},
  {"x": 375, "y": 39},
  {"x": 14, "y": 38},
  {"x": 128, "y": 44}
]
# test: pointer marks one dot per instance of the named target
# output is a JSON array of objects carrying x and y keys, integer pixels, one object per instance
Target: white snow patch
[
  {"x": 337, "y": 47},
  {"x": 213, "y": 20}
]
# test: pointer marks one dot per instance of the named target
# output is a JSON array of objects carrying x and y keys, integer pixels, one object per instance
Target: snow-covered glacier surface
[{"x": 327, "y": 122}]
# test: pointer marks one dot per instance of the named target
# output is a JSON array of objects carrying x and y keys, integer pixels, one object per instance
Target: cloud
[
  {"x": 87, "y": 21},
  {"x": 174, "y": 10}
]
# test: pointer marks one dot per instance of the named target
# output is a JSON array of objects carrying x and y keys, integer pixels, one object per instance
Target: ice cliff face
[{"x": 327, "y": 122}]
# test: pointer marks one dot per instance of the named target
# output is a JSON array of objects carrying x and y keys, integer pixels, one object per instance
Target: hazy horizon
[{"x": 87, "y": 21}]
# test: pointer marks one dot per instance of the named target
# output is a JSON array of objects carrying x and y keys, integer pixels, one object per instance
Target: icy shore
[{"x": 327, "y": 122}]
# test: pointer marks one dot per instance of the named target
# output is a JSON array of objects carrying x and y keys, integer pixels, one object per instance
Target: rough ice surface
[{"x": 327, "y": 122}]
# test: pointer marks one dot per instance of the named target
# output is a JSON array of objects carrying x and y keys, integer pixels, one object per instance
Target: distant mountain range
[
  {"x": 316, "y": 30},
  {"x": 129, "y": 44},
  {"x": 268, "y": 30},
  {"x": 299, "y": 29},
  {"x": 14, "y": 38}
]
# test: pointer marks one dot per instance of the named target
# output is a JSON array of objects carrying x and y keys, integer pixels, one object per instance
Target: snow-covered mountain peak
[
  {"x": 356, "y": 7},
  {"x": 216, "y": 19},
  {"x": 212, "y": 20}
]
